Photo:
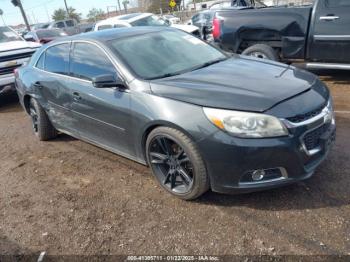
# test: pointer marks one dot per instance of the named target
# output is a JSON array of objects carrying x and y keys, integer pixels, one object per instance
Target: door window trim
[{"x": 116, "y": 67}]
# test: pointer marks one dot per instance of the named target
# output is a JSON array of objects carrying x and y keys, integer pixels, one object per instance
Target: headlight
[{"x": 246, "y": 125}]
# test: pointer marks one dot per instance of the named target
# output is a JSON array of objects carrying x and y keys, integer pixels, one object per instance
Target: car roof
[
  {"x": 128, "y": 18},
  {"x": 113, "y": 33}
]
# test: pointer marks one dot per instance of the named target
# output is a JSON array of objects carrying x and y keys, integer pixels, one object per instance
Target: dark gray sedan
[{"x": 199, "y": 118}]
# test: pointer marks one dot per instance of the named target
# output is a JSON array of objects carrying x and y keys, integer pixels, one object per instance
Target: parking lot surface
[{"x": 69, "y": 197}]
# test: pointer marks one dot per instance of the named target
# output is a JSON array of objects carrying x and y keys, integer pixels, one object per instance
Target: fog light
[{"x": 258, "y": 175}]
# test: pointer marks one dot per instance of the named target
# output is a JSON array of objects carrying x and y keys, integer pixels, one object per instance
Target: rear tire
[
  {"x": 261, "y": 51},
  {"x": 176, "y": 163},
  {"x": 41, "y": 124}
]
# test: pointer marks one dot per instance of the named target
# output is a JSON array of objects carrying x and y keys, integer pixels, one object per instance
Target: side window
[
  {"x": 88, "y": 61},
  {"x": 41, "y": 62},
  {"x": 60, "y": 25},
  {"x": 70, "y": 23},
  {"x": 57, "y": 59},
  {"x": 119, "y": 26},
  {"x": 195, "y": 18},
  {"x": 102, "y": 27}
]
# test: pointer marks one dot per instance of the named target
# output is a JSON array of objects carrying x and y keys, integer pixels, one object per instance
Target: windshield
[
  {"x": 7, "y": 35},
  {"x": 49, "y": 33},
  {"x": 152, "y": 20},
  {"x": 164, "y": 53}
]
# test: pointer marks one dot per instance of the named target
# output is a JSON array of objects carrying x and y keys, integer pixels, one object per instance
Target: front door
[
  {"x": 103, "y": 113},
  {"x": 331, "y": 35}
]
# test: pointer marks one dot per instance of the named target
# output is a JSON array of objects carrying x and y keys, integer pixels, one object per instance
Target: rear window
[{"x": 57, "y": 59}]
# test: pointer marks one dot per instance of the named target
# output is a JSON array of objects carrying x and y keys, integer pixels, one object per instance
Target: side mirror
[
  {"x": 29, "y": 38},
  {"x": 107, "y": 81}
]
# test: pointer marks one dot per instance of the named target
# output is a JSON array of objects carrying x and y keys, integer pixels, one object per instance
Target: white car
[
  {"x": 14, "y": 51},
  {"x": 142, "y": 19},
  {"x": 172, "y": 19}
]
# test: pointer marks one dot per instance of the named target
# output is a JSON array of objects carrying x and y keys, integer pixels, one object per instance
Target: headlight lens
[{"x": 246, "y": 125}]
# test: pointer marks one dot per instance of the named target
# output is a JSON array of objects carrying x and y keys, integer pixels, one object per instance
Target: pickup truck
[
  {"x": 318, "y": 34},
  {"x": 14, "y": 51}
]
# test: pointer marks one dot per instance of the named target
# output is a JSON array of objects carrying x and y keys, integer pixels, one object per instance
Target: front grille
[
  {"x": 8, "y": 70},
  {"x": 312, "y": 139},
  {"x": 306, "y": 116},
  {"x": 16, "y": 56}
]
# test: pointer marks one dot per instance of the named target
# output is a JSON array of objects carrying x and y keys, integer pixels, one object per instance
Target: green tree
[
  {"x": 95, "y": 15},
  {"x": 61, "y": 14}
]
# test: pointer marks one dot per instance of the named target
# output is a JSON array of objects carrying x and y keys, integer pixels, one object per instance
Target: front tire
[
  {"x": 261, "y": 51},
  {"x": 176, "y": 163},
  {"x": 41, "y": 124}
]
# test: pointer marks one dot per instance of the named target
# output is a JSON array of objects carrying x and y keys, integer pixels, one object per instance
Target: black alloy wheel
[
  {"x": 171, "y": 164},
  {"x": 176, "y": 163}
]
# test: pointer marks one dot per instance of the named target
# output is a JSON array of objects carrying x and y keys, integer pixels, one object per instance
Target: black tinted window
[
  {"x": 88, "y": 61},
  {"x": 41, "y": 61},
  {"x": 69, "y": 23},
  {"x": 59, "y": 25},
  {"x": 56, "y": 59}
]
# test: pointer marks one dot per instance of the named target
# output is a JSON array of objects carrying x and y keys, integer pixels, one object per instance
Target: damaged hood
[{"x": 239, "y": 83}]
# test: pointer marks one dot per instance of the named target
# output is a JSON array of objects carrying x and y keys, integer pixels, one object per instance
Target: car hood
[
  {"x": 14, "y": 45},
  {"x": 239, "y": 83},
  {"x": 186, "y": 28}
]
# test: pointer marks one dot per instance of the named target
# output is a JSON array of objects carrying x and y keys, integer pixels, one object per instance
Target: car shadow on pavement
[
  {"x": 7, "y": 102},
  {"x": 11, "y": 251},
  {"x": 339, "y": 77}
]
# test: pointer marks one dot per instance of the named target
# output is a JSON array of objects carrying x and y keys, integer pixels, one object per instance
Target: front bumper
[
  {"x": 7, "y": 82},
  {"x": 230, "y": 159}
]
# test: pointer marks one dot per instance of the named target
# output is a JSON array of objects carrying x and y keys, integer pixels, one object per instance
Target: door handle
[
  {"x": 329, "y": 18},
  {"x": 76, "y": 96}
]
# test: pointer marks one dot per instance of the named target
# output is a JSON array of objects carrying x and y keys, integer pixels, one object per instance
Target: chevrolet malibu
[{"x": 201, "y": 119}]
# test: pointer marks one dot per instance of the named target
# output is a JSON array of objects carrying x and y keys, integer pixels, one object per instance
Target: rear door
[
  {"x": 102, "y": 113},
  {"x": 331, "y": 32},
  {"x": 52, "y": 84}
]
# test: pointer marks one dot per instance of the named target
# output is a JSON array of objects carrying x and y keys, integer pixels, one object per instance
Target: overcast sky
[{"x": 41, "y": 10}]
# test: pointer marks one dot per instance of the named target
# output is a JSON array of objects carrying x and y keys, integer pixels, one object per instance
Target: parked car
[
  {"x": 69, "y": 26},
  {"x": 204, "y": 21},
  {"x": 142, "y": 19},
  {"x": 44, "y": 35},
  {"x": 318, "y": 34},
  {"x": 14, "y": 51},
  {"x": 171, "y": 19},
  {"x": 199, "y": 118},
  {"x": 236, "y": 3}
]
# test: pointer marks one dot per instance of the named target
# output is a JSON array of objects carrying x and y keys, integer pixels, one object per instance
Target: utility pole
[
  {"x": 65, "y": 3},
  {"x": 18, "y": 3},
  {"x": 119, "y": 6},
  {"x": 1, "y": 14}
]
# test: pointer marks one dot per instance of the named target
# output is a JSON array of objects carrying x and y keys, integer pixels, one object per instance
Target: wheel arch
[
  {"x": 250, "y": 37},
  {"x": 26, "y": 101},
  {"x": 155, "y": 124}
]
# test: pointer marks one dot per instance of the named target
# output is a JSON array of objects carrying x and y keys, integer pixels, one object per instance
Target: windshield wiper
[
  {"x": 163, "y": 76},
  {"x": 210, "y": 63}
]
